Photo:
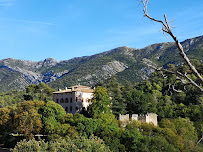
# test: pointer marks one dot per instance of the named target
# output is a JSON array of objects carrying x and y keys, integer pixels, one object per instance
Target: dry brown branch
[{"x": 167, "y": 29}]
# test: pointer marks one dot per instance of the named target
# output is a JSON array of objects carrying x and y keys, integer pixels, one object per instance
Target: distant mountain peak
[
  {"x": 50, "y": 60},
  {"x": 124, "y": 62}
]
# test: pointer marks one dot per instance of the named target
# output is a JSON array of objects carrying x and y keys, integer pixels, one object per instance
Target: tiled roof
[{"x": 76, "y": 88}]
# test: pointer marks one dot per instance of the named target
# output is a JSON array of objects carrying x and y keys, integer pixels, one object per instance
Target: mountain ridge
[{"x": 126, "y": 63}]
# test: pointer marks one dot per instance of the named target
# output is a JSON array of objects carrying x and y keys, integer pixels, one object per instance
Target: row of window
[
  {"x": 64, "y": 101},
  {"x": 76, "y": 99},
  {"x": 71, "y": 108},
  {"x": 71, "y": 100}
]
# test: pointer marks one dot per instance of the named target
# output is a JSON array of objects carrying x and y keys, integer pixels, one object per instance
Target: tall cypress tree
[{"x": 118, "y": 102}]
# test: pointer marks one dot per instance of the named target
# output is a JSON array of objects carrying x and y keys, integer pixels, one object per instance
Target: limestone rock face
[
  {"x": 21, "y": 73},
  {"x": 113, "y": 67}
]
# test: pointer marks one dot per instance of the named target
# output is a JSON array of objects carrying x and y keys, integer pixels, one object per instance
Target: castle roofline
[{"x": 75, "y": 88}]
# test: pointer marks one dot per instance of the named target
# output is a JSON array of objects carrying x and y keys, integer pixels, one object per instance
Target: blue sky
[{"x": 64, "y": 29}]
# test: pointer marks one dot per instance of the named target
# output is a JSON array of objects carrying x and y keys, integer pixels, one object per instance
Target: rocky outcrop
[
  {"x": 105, "y": 72},
  {"x": 113, "y": 67},
  {"x": 30, "y": 72},
  {"x": 49, "y": 62}
]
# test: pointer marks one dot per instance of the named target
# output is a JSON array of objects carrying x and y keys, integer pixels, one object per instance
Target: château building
[{"x": 73, "y": 99}]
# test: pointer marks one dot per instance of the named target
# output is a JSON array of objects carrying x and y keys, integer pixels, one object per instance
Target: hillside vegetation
[{"x": 180, "y": 117}]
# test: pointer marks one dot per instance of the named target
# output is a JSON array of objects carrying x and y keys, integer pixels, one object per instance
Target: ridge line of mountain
[{"x": 124, "y": 62}]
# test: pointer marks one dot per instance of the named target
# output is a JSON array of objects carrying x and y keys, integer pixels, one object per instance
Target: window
[
  {"x": 57, "y": 100},
  {"x": 70, "y": 109},
  {"x": 66, "y": 100},
  {"x": 66, "y": 109},
  {"x": 87, "y": 100},
  {"x": 62, "y": 100},
  {"x": 71, "y": 100},
  {"x": 82, "y": 99},
  {"x": 76, "y": 108},
  {"x": 76, "y": 99}
]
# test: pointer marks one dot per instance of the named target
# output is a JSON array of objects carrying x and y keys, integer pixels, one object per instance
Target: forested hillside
[{"x": 25, "y": 114}]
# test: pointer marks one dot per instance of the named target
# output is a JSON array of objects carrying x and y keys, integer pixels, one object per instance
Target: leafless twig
[
  {"x": 200, "y": 139},
  {"x": 167, "y": 29}
]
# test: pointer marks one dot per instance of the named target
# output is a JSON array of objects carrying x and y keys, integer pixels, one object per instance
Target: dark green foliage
[
  {"x": 118, "y": 102},
  {"x": 156, "y": 144},
  {"x": 196, "y": 53},
  {"x": 11, "y": 98},
  {"x": 131, "y": 139},
  {"x": 180, "y": 117},
  {"x": 138, "y": 102},
  {"x": 101, "y": 102},
  {"x": 92, "y": 144},
  {"x": 52, "y": 117},
  {"x": 63, "y": 131},
  {"x": 40, "y": 92},
  {"x": 109, "y": 131},
  {"x": 185, "y": 128},
  {"x": 85, "y": 126}
]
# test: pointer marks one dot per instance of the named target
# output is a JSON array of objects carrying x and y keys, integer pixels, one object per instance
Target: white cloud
[
  {"x": 7, "y": 2},
  {"x": 34, "y": 22},
  {"x": 29, "y": 21}
]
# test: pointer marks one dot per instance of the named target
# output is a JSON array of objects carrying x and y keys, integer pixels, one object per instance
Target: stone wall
[
  {"x": 124, "y": 117},
  {"x": 134, "y": 117},
  {"x": 149, "y": 117}
]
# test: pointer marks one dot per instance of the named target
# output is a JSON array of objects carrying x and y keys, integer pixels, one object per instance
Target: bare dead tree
[{"x": 167, "y": 29}]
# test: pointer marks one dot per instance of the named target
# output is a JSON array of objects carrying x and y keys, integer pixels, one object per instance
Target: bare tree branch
[
  {"x": 167, "y": 29},
  {"x": 173, "y": 86},
  {"x": 183, "y": 76},
  {"x": 200, "y": 139}
]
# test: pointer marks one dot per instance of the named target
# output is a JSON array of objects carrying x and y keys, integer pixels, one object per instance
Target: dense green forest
[{"x": 26, "y": 114}]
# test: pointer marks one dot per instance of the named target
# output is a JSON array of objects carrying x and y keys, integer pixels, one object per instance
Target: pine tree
[{"x": 118, "y": 102}]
